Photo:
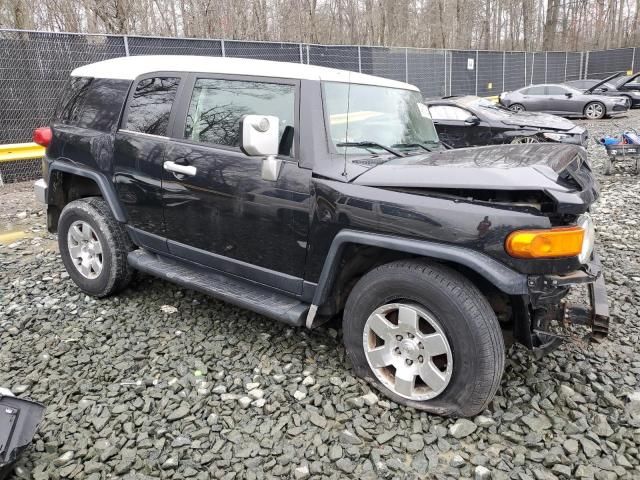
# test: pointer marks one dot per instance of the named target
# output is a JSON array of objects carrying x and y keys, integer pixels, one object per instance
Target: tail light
[{"x": 42, "y": 136}]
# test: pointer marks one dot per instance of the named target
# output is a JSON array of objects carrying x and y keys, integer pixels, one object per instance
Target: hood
[
  {"x": 599, "y": 84},
  {"x": 630, "y": 79},
  {"x": 538, "y": 120},
  {"x": 536, "y": 166}
]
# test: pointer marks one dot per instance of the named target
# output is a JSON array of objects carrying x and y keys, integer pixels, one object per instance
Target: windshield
[{"x": 370, "y": 114}]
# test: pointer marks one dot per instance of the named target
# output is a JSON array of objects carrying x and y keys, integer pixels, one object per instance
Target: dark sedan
[
  {"x": 470, "y": 121},
  {"x": 614, "y": 86},
  {"x": 563, "y": 100}
]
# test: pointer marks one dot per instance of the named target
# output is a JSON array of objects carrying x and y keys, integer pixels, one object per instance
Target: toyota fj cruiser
[{"x": 304, "y": 193}]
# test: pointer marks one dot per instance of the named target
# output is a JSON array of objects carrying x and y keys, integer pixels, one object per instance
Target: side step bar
[{"x": 230, "y": 289}]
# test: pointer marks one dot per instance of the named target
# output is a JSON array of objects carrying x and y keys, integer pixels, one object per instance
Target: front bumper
[
  {"x": 546, "y": 316},
  {"x": 40, "y": 190}
]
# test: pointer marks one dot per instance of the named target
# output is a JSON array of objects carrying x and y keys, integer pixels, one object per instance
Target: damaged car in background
[
  {"x": 473, "y": 121},
  {"x": 563, "y": 100},
  {"x": 616, "y": 85},
  {"x": 324, "y": 193}
]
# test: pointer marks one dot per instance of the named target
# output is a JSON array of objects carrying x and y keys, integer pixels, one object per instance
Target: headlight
[
  {"x": 558, "y": 137},
  {"x": 554, "y": 242},
  {"x": 586, "y": 223}
]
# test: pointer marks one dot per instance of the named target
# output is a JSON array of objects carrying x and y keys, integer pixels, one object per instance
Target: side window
[
  {"x": 539, "y": 90},
  {"x": 150, "y": 106},
  {"x": 217, "y": 106},
  {"x": 555, "y": 90},
  {"x": 72, "y": 99},
  {"x": 448, "y": 112},
  {"x": 102, "y": 104}
]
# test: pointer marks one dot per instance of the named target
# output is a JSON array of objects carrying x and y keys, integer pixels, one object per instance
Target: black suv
[{"x": 304, "y": 193}]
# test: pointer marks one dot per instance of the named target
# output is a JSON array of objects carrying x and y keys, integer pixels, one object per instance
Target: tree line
[{"x": 476, "y": 24}]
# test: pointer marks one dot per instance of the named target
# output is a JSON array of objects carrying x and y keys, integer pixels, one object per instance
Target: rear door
[
  {"x": 224, "y": 214},
  {"x": 139, "y": 152},
  {"x": 533, "y": 98}
]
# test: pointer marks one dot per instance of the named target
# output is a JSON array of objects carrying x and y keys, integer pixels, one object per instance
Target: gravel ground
[{"x": 163, "y": 382}]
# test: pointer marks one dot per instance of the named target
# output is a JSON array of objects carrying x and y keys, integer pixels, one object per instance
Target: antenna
[{"x": 346, "y": 130}]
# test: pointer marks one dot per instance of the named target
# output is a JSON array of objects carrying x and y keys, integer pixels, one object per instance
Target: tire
[
  {"x": 517, "y": 107},
  {"x": 88, "y": 224},
  {"x": 595, "y": 110},
  {"x": 476, "y": 355}
]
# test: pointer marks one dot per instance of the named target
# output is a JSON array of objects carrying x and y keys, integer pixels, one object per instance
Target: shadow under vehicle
[{"x": 305, "y": 193}]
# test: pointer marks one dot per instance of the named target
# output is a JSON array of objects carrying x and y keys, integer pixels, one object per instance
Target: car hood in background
[
  {"x": 502, "y": 167},
  {"x": 538, "y": 120}
]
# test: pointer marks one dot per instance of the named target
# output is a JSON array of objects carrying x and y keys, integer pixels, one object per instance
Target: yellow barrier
[
  {"x": 493, "y": 99},
  {"x": 20, "y": 151}
]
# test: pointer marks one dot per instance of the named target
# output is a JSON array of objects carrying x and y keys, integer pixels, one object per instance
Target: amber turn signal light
[{"x": 551, "y": 243}]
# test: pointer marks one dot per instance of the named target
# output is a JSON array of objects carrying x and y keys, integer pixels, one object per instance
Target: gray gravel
[{"x": 163, "y": 382}]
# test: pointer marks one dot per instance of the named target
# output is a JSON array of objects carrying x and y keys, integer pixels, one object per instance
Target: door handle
[{"x": 183, "y": 169}]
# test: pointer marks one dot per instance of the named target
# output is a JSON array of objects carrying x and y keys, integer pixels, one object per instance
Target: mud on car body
[{"x": 305, "y": 193}]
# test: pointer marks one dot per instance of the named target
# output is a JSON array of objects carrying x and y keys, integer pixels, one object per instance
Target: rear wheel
[
  {"x": 594, "y": 110},
  {"x": 94, "y": 247},
  {"x": 425, "y": 336},
  {"x": 517, "y": 107}
]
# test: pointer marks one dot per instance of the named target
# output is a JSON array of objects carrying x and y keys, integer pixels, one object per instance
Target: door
[
  {"x": 558, "y": 101},
  {"x": 222, "y": 213},
  {"x": 139, "y": 150},
  {"x": 533, "y": 98},
  {"x": 450, "y": 122}
]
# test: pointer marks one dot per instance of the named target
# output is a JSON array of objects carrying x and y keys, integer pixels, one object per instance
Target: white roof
[{"x": 129, "y": 68}]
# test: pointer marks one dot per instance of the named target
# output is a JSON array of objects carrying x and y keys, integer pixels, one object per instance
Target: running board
[{"x": 230, "y": 289}]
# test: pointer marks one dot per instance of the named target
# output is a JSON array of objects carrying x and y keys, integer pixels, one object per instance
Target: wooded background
[{"x": 457, "y": 24}]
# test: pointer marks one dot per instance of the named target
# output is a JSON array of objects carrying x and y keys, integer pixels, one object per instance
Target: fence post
[
  {"x": 301, "y": 57},
  {"x": 444, "y": 52},
  {"x": 359, "y": 60},
  {"x": 566, "y": 61},
  {"x": 533, "y": 67},
  {"x": 546, "y": 55},
  {"x": 476, "y": 73},
  {"x": 406, "y": 65},
  {"x": 525, "y": 69},
  {"x": 633, "y": 61},
  {"x": 126, "y": 45},
  {"x": 224, "y": 54},
  {"x": 307, "y": 54},
  {"x": 504, "y": 64},
  {"x": 586, "y": 67}
]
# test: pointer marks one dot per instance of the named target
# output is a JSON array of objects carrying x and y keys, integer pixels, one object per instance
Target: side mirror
[
  {"x": 259, "y": 137},
  {"x": 471, "y": 121},
  {"x": 568, "y": 94}
]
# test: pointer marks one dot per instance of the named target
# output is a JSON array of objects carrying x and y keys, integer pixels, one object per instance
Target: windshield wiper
[
  {"x": 418, "y": 145},
  {"x": 366, "y": 143}
]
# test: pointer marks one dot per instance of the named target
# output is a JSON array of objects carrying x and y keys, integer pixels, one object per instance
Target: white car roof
[{"x": 129, "y": 68}]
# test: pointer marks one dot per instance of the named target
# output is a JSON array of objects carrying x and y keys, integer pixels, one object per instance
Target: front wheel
[
  {"x": 517, "y": 107},
  {"x": 425, "y": 336},
  {"x": 595, "y": 111}
]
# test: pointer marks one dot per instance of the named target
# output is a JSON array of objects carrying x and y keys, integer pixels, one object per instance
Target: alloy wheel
[
  {"x": 408, "y": 351},
  {"x": 520, "y": 140},
  {"x": 516, "y": 108},
  {"x": 85, "y": 249},
  {"x": 594, "y": 111}
]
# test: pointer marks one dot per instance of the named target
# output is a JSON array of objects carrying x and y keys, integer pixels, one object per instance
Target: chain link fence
[{"x": 34, "y": 67}]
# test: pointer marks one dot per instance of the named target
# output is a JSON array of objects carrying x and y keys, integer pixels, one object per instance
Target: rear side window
[
  {"x": 217, "y": 106},
  {"x": 72, "y": 99},
  {"x": 92, "y": 103},
  {"x": 539, "y": 90},
  {"x": 150, "y": 105}
]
